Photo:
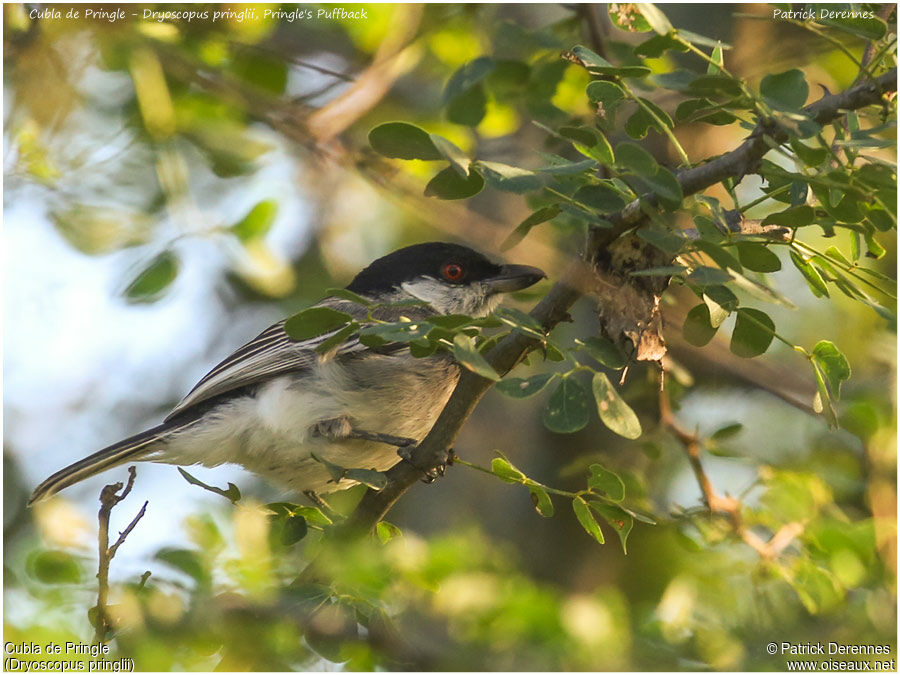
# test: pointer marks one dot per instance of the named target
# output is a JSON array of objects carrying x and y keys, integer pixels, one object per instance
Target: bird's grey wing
[{"x": 269, "y": 354}]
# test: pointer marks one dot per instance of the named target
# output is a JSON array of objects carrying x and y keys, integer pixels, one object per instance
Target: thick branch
[{"x": 554, "y": 307}]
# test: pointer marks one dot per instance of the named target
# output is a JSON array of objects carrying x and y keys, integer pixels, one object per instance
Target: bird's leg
[{"x": 340, "y": 427}]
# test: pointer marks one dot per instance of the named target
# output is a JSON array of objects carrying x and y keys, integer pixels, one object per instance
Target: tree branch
[{"x": 554, "y": 307}]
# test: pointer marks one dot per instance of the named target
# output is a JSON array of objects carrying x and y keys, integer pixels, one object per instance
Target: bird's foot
[{"x": 432, "y": 474}]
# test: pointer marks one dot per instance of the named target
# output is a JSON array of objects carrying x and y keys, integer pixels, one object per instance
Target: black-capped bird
[{"x": 276, "y": 403}]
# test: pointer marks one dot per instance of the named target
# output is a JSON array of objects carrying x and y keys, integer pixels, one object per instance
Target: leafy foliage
[{"x": 780, "y": 277}]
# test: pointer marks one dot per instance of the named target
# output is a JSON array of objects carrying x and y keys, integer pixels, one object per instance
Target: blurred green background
[{"x": 174, "y": 185}]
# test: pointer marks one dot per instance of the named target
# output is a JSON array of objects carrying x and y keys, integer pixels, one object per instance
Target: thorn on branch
[{"x": 109, "y": 498}]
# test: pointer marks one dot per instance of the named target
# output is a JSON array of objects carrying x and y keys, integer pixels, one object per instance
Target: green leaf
[
  {"x": 714, "y": 86},
  {"x": 758, "y": 257},
  {"x": 822, "y": 402},
  {"x": 709, "y": 230},
  {"x": 584, "y": 135},
  {"x": 465, "y": 352},
  {"x": 368, "y": 477},
  {"x": 315, "y": 321},
  {"x": 613, "y": 411},
  {"x": 401, "y": 140},
  {"x": 448, "y": 184},
  {"x": 53, "y": 567},
  {"x": 186, "y": 561},
  {"x": 698, "y": 329},
  {"x": 666, "y": 187},
  {"x": 865, "y": 27},
  {"x": 720, "y": 256},
  {"x": 664, "y": 240},
  {"x": 386, "y": 531},
  {"x": 285, "y": 530},
  {"x": 785, "y": 91},
  {"x": 628, "y": 17},
  {"x": 467, "y": 76},
  {"x": 568, "y": 408},
  {"x": 606, "y": 352},
  {"x": 834, "y": 366},
  {"x": 727, "y": 431},
  {"x": 511, "y": 178},
  {"x": 258, "y": 222},
  {"x": 811, "y": 274},
  {"x": 541, "y": 500},
  {"x": 658, "y": 45},
  {"x": 796, "y": 216},
  {"x": 469, "y": 108},
  {"x": 753, "y": 333},
  {"x": 594, "y": 63},
  {"x": 156, "y": 277},
  {"x": 706, "y": 276},
  {"x": 602, "y": 198},
  {"x": 717, "y": 60},
  {"x": 586, "y": 518},
  {"x": 339, "y": 338},
  {"x": 452, "y": 153},
  {"x": 600, "y": 151},
  {"x": 232, "y": 494},
  {"x": 809, "y": 156},
  {"x": 505, "y": 471},
  {"x": 619, "y": 519},
  {"x": 642, "y": 121},
  {"x": 522, "y": 229},
  {"x": 702, "y": 40},
  {"x": 606, "y": 483},
  {"x": 608, "y": 93},
  {"x": 517, "y": 387},
  {"x": 344, "y": 294},
  {"x": 636, "y": 159},
  {"x": 655, "y": 17},
  {"x": 312, "y": 515}
]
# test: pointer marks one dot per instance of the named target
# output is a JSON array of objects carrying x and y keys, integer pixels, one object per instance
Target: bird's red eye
[{"x": 453, "y": 272}]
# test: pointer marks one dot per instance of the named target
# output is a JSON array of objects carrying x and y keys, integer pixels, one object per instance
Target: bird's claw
[{"x": 432, "y": 474}]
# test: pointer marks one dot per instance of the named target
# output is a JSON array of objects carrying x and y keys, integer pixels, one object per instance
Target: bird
[{"x": 284, "y": 411}]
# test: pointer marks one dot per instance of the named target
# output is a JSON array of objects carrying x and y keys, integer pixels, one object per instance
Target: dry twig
[{"x": 108, "y": 500}]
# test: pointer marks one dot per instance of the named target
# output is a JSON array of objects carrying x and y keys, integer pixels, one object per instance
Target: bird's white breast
[{"x": 269, "y": 432}]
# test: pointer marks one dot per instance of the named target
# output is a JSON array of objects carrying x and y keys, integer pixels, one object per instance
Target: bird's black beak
[{"x": 514, "y": 278}]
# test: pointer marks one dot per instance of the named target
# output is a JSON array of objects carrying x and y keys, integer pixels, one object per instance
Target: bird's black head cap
[{"x": 451, "y": 263}]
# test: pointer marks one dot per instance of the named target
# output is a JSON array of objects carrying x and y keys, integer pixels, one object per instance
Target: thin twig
[
  {"x": 716, "y": 503},
  {"x": 108, "y": 500}
]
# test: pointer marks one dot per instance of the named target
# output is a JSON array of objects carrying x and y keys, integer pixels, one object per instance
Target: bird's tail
[{"x": 136, "y": 448}]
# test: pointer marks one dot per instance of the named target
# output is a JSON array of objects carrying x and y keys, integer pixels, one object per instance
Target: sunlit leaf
[
  {"x": 465, "y": 352},
  {"x": 156, "y": 278},
  {"x": 614, "y": 412},
  {"x": 315, "y": 321},
  {"x": 541, "y": 500},
  {"x": 606, "y": 483},
  {"x": 586, "y": 518},
  {"x": 505, "y": 471}
]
